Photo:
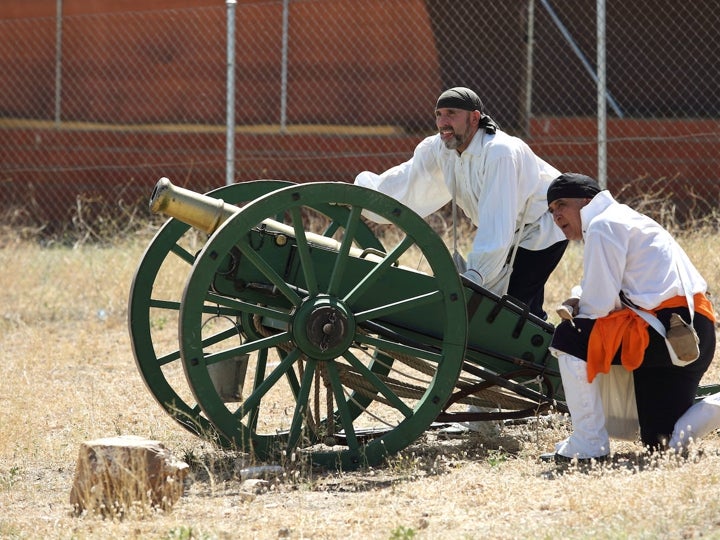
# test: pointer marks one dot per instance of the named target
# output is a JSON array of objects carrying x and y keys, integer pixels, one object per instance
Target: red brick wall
[
  {"x": 48, "y": 8},
  {"x": 685, "y": 170},
  {"x": 181, "y": 68}
]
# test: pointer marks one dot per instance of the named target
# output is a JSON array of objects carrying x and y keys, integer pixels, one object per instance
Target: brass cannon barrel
[
  {"x": 198, "y": 211},
  {"x": 207, "y": 214}
]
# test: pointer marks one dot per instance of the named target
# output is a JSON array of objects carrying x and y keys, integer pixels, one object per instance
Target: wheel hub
[{"x": 323, "y": 328}]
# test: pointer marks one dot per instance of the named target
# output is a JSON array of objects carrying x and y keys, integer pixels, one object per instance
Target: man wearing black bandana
[
  {"x": 638, "y": 334},
  {"x": 501, "y": 186}
]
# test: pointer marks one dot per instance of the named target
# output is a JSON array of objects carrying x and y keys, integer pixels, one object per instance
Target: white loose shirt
[
  {"x": 493, "y": 179},
  {"x": 629, "y": 252}
]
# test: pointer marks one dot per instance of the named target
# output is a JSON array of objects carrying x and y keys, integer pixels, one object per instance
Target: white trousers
[{"x": 589, "y": 438}]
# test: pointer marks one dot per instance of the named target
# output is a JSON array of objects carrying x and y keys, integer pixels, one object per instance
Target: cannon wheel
[
  {"x": 307, "y": 375},
  {"x": 153, "y": 304}
]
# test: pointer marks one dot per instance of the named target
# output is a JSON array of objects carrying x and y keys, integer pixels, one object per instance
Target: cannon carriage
[{"x": 332, "y": 345}]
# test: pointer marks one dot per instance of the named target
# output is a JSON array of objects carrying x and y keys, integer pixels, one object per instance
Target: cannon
[{"x": 270, "y": 317}]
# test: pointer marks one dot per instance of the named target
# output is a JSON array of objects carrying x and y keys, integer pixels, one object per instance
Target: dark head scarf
[
  {"x": 459, "y": 98},
  {"x": 465, "y": 99},
  {"x": 572, "y": 186}
]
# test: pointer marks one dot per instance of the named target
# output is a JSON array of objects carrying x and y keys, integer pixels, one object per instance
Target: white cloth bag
[{"x": 617, "y": 390}]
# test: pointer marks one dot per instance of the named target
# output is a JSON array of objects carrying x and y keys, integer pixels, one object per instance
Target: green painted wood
[{"x": 241, "y": 262}]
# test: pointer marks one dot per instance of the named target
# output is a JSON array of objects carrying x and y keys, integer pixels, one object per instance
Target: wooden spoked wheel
[{"x": 347, "y": 356}]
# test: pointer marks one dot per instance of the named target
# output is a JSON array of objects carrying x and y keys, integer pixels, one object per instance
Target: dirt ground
[
  {"x": 68, "y": 376},
  {"x": 85, "y": 386}
]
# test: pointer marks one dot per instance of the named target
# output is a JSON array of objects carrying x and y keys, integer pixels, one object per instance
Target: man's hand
[{"x": 568, "y": 309}]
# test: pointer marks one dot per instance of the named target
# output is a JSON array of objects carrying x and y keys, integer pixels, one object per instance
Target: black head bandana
[
  {"x": 459, "y": 98},
  {"x": 488, "y": 124},
  {"x": 572, "y": 186},
  {"x": 465, "y": 99}
]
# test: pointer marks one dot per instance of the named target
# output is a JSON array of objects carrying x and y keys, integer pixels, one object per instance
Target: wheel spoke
[
  {"x": 264, "y": 387},
  {"x": 292, "y": 380},
  {"x": 164, "y": 304},
  {"x": 259, "y": 377},
  {"x": 184, "y": 254},
  {"x": 268, "y": 271},
  {"x": 392, "y": 346},
  {"x": 246, "y": 307},
  {"x": 170, "y": 357},
  {"x": 344, "y": 251},
  {"x": 332, "y": 229},
  {"x": 402, "y": 305},
  {"x": 378, "y": 384},
  {"x": 218, "y": 311},
  {"x": 301, "y": 404},
  {"x": 304, "y": 251},
  {"x": 377, "y": 272},
  {"x": 248, "y": 347},
  {"x": 220, "y": 336},
  {"x": 346, "y": 419}
]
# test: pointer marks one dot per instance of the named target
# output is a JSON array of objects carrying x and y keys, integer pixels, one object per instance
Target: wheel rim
[
  {"x": 154, "y": 307},
  {"x": 322, "y": 320}
]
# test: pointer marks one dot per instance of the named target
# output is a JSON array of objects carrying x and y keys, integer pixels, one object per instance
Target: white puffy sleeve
[{"x": 418, "y": 183}]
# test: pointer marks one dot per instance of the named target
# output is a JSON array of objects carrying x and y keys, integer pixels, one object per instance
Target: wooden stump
[{"x": 117, "y": 474}]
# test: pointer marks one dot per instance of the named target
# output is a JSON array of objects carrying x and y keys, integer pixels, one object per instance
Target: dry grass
[{"x": 69, "y": 376}]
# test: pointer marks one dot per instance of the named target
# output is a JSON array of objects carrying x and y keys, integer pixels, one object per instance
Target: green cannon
[{"x": 270, "y": 317}]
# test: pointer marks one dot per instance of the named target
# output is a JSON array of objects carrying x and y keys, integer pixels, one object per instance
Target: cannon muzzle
[{"x": 199, "y": 211}]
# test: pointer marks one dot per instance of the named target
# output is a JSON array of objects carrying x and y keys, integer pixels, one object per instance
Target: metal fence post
[
  {"x": 527, "y": 90},
  {"x": 58, "y": 61},
  {"x": 601, "y": 95},
  {"x": 230, "y": 142},
  {"x": 284, "y": 66}
]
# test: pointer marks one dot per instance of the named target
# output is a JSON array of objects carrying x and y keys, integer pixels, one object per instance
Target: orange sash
[{"x": 626, "y": 327}]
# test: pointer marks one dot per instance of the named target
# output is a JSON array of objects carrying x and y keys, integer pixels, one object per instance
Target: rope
[{"x": 490, "y": 397}]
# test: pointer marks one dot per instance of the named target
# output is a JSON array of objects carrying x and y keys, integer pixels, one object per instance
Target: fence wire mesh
[{"x": 97, "y": 106}]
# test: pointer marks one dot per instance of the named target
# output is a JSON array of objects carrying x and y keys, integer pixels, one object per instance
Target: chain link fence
[{"x": 97, "y": 106}]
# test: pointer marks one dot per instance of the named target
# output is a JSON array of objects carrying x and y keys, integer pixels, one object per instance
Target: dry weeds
[{"x": 69, "y": 376}]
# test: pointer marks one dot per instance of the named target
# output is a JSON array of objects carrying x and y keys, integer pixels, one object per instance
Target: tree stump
[{"x": 117, "y": 474}]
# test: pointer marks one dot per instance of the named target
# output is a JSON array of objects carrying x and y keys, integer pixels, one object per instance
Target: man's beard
[
  {"x": 458, "y": 140},
  {"x": 454, "y": 143}
]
